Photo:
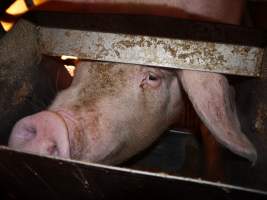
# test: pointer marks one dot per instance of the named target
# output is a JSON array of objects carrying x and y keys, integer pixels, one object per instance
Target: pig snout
[{"x": 42, "y": 133}]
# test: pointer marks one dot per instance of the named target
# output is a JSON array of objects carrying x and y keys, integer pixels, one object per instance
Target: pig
[{"x": 112, "y": 111}]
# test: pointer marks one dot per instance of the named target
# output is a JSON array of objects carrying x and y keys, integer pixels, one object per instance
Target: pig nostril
[
  {"x": 31, "y": 130},
  {"x": 27, "y": 133},
  {"x": 53, "y": 150}
]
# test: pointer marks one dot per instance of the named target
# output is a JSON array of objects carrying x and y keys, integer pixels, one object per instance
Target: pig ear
[{"x": 212, "y": 99}]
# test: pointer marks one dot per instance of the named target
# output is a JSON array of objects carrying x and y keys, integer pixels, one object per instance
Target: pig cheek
[
  {"x": 80, "y": 147},
  {"x": 154, "y": 84},
  {"x": 83, "y": 138},
  {"x": 76, "y": 144}
]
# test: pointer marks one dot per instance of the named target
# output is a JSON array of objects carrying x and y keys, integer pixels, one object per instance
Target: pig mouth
[
  {"x": 71, "y": 125},
  {"x": 67, "y": 133}
]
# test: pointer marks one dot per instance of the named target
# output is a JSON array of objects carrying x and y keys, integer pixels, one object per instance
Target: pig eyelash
[
  {"x": 151, "y": 80},
  {"x": 152, "y": 77}
]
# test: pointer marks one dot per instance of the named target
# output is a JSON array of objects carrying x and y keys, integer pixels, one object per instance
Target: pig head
[{"x": 113, "y": 111}]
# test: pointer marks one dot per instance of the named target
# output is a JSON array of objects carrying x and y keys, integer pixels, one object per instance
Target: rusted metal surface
[
  {"x": 147, "y": 50},
  {"x": 152, "y": 51},
  {"x": 19, "y": 57}
]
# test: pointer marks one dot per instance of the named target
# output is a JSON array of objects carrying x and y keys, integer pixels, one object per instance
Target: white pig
[{"x": 113, "y": 111}]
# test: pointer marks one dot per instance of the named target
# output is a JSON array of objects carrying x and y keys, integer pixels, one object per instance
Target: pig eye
[
  {"x": 152, "y": 77},
  {"x": 151, "y": 80}
]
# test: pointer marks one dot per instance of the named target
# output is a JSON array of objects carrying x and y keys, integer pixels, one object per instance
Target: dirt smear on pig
[{"x": 100, "y": 80}]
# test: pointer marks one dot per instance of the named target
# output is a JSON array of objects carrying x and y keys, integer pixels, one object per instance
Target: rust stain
[
  {"x": 242, "y": 51},
  {"x": 216, "y": 58},
  {"x": 130, "y": 42},
  {"x": 102, "y": 52},
  {"x": 186, "y": 47},
  {"x": 259, "y": 71},
  {"x": 67, "y": 33},
  {"x": 117, "y": 53}
]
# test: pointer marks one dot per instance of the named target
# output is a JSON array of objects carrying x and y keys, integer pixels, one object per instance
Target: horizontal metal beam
[
  {"x": 28, "y": 176},
  {"x": 152, "y": 51}
]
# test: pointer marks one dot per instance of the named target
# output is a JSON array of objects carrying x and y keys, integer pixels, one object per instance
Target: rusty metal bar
[{"x": 152, "y": 51}]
